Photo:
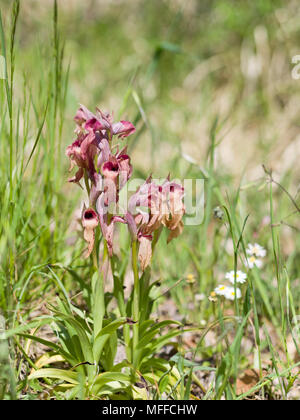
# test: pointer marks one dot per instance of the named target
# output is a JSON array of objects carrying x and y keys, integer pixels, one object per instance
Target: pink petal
[{"x": 123, "y": 128}]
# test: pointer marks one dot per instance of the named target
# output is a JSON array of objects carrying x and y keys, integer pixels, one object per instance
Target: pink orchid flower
[
  {"x": 103, "y": 122},
  {"x": 118, "y": 165},
  {"x": 164, "y": 207},
  {"x": 94, "y": 132},
  {"x": 89, "y": 222},
  {"x": 152, "y": 206},
  {"x": 172, "y": 208},
  {"x": 82, "y": 153},
  {"x": 107, "y": 221}
]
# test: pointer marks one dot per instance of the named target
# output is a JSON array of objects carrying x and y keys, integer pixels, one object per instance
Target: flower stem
[
  {"x": 95, "y": 259},
  {"x": 135, "y": 309},
  {"x": 86, "y": 181},
  {"x": 119, "y": 293},
  {"x": 98, "y": 295}
]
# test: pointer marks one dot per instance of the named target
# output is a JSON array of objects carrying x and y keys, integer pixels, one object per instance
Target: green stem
[
  {"x": 99, "y": 299},
  {"x": 135, "y": 309},
  {"x": 86, "y": 181},
  {"x": 119, "y": 294},
  {"x": 256, "y": 327},
  {"x": 237, "y": 312},
  {"x": 95, "y": 259}
]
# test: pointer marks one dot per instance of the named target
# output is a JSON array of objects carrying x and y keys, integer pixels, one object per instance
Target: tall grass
[{"x": 45, "y": 80}]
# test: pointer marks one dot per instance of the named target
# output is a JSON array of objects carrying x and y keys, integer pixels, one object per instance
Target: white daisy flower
[
  {"x": 220, "y": 290},
  {"x": 230, "y": 293},
  {"x": 256, "y": 250},
  {"x": 253, "y": 261},
  {"x": 240, "y": 277}
]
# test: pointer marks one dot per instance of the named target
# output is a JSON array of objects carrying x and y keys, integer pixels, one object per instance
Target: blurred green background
[
  {"x": 210, "y": 88},
  {"x": 188, "y": 61},
  {"x": 182, "y": 71}
]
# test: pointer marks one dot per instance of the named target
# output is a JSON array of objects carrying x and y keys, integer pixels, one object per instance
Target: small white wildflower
[
  {"x": 256, "y": 250},
  {"x": 253, "y": 261},
  {"x": 199, "y": 297},
  {"x": 240, "y": 277},
  {"x": 230, "y": 293},
  {"x": 220, "y": 290}
]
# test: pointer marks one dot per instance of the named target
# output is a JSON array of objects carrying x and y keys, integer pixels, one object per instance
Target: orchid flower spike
[{"x": 94, "y": 133}]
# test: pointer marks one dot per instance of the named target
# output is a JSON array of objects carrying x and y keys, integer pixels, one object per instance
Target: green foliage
[{"x": 182, "y": 72}]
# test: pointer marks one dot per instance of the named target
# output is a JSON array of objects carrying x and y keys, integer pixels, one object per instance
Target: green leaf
[
  {"x": 107, "y": 377},
  {"x": 148, "y": 335},
  {"x": 82, "y": 336},
  {"x": 264, "y": 295},
  {"x": 104, "y": 335},
  {"x": 52, "y": 345},
  {"x": 21, "y": 328},
  {"x": 63, "y": 375},
  {"x": 98, "y": 302}
]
